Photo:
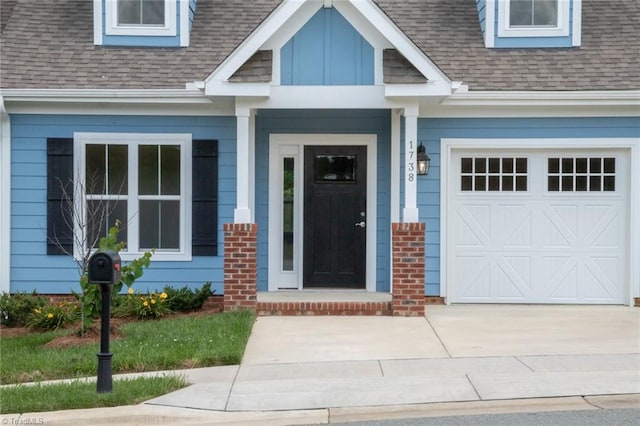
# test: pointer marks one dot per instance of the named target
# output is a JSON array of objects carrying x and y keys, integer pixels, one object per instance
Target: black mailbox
[{"x": 105, "y": 267}]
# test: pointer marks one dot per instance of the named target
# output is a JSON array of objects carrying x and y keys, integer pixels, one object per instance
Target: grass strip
[
  {"x": 74, "y": 395},
  {"x": 165, "y": 344}
]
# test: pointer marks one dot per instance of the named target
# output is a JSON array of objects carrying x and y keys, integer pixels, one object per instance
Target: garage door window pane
[
  {"x": 466, "y": 165},
  {"x": 581, "y": 174}
]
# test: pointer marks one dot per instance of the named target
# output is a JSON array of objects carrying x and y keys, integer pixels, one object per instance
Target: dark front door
[{"x": 335, "y": 189}]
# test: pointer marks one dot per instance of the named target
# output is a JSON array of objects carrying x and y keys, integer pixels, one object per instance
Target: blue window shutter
[
  {"x": 59, "y": 196},
  {"x": 204, "y": 220}
]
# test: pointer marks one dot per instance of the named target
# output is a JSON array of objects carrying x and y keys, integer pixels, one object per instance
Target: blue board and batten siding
[
  {"x": 318, "y": 122},
  {"x": 32, "y": 268},
  {"x": 327, "y": 50},
  {"x": 431, "y": 131}
]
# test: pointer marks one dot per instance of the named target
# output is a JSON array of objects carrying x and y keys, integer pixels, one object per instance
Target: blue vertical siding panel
[
  {"x": 32, "y": 269},
  {"x": 324, "y": 121},
  {"x": 431, "y": 131},
  {"x": 327, "y": 50}
]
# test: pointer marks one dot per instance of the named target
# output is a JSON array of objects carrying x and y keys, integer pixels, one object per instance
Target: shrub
[
  {"x": 142, "y": 306},
  {"x": 16, "y": 309},
  {"x": 54, "y": 316},
  {"x": 187, "y": 300}
]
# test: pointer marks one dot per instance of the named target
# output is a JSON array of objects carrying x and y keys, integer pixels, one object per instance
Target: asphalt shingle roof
[{"x": 49, "y": 44}]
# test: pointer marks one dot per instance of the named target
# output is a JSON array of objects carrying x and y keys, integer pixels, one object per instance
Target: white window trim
[
  {"x": 136, "y": 139},
  {"x": 505, "y": 30},
  {"x": 168, "y": 30}
]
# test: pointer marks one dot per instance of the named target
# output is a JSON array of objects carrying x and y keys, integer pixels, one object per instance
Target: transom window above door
[{"x": 493, "y": 174}]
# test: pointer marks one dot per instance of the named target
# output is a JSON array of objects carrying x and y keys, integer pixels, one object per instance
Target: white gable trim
[
  {"x": 399, "y": 40},
  {"x": 285, "y": 11},
  {"x": 291, "y": 15}
]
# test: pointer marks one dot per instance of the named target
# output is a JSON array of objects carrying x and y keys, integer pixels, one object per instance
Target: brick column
[
  {"x": 408, "y": 269},
  {"x": 240, "y": 266}
]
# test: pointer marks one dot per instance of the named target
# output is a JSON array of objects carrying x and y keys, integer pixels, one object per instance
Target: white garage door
[{"x": 539, "y": 226}]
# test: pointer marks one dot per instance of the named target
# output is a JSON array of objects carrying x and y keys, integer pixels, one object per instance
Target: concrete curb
[{"x": 144, "y": 414}]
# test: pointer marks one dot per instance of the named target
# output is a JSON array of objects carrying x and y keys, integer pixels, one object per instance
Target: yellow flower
[
  {"x": 163, "y": 295},
  {"x": 130, "y": 291},
  {"x": 37, "y": 311},
  {"x": 49, "y": 315},
  {"x": 146, "y": 303},
  {"x": 153, "y": 301}
]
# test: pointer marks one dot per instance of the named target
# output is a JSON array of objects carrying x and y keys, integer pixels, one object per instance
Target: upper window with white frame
[
  {"x": 140, "y": 180},
  {"x": 533, "y": 18},
  {"x": 140, "y": 17}
]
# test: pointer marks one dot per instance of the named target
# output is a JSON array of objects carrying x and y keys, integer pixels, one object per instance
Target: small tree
[{"x": 84, "y": 221}]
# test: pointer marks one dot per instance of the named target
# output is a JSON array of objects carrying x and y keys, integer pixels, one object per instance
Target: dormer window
[
  {"x": 533, "y": 14},
  {"x": 533, "y": 18},
  {"x": 140, "y": 12},
  {"x": 140, "y": 17}
]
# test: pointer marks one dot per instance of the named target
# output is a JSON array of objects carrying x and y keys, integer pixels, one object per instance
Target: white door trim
[
  {"x": 293, "y": 145},
  {"x": 632, "y": 145}
]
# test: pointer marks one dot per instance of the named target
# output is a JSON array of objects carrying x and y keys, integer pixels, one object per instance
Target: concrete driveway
[{"x": 448, "y": 331}]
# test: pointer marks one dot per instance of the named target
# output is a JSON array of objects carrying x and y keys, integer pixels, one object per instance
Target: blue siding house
[{"x": 375, "y": 152}]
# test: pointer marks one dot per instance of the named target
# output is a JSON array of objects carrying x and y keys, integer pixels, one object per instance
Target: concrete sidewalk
[{"x": 457, "y": 359}]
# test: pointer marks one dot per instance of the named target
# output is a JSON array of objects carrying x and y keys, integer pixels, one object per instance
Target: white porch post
[
  {"x": 410, "y": 211},
  {"x": 242, "y": 212}
]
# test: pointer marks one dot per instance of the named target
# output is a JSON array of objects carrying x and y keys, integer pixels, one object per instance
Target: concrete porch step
[{"x": 323, "y": 302}]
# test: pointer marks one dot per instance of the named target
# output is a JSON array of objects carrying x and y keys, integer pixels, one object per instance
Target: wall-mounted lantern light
[{"x": 424, "y": 162}]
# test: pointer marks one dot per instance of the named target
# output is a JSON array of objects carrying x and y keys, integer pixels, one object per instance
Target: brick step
[{"x": 318, "y": 308}]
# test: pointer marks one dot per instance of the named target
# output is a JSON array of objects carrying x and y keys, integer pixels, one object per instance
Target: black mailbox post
[{"x": 105, "y": 269}]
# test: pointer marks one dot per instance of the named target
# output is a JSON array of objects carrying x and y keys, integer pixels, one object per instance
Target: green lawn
[
  {"x": 66, "y": 396},
  {"x": 171, "y": 343}
]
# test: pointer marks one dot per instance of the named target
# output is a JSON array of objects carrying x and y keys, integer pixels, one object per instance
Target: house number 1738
[{"x": 411, "y": 166}]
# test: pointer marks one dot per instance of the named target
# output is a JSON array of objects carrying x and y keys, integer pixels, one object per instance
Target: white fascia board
[
  {"x": 399, "y": 40},
  {"x": 105, "y": 95},
  {"x": 116, "y": 102},
  {"x": 545, "y": 98},
  {"x": 222, "y": 88},
  {"x": 328, "y": 97},
  {"x": 256, "y": 39},
  {"x": 437, "y": 88},
  {"x": 5, "y": 199}
]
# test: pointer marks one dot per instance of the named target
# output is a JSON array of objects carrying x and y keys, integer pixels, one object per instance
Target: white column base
[
  {"x": 410, "y": 215},
  {"x": 242, "y": 216}
]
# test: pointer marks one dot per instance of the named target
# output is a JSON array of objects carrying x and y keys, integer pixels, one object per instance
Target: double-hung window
[
  {"x": 526, "y": 18},
  {"x": 140, "y": 180},
  {"x": 140, "y": 17}
]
